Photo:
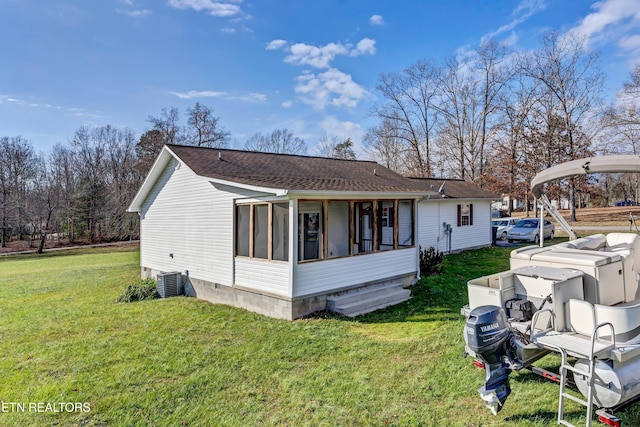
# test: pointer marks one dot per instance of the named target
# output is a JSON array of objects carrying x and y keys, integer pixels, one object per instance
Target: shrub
[
  {"x": 141, "y": 290},
  {"x": 430, "y": 261}
]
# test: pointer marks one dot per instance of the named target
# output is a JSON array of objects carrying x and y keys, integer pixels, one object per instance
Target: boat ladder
[{"x": 580, "y": 346}]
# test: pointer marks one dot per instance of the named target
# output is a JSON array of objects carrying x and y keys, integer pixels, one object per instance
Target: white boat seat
[
  {"x": 595, "y": 242},
  {"x": 576, "y": 340},
  {"x": 625, "y": 320},
  {"x": 526, "y": 252}
]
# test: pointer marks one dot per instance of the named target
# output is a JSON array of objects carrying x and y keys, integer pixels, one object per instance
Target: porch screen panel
[
  {"x": 364, "y": 227},
  {"x": 242, "y": 230},
  {"x": 261, "y": 231},
  {"x": 309, "y": 231},
  {"x": 405, "y": 223},
  {"x": 280, "y": 231},
  {"x": 338, "y": 229},
  {"x": 386, "y": 222}
]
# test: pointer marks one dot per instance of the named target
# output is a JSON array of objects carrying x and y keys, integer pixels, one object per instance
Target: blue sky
[{"x": 307, "y": 66}]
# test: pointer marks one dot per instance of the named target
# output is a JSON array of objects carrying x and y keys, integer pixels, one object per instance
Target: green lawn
[{"x": 184, "y": 362}]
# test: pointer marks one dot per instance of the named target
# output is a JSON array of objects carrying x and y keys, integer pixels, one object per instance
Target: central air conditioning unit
[{"x": 169, "y": 284}]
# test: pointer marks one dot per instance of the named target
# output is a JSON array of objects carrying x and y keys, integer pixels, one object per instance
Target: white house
[
  {"x": 285, "y": 235},
  {"x": 457, "y": 218}
]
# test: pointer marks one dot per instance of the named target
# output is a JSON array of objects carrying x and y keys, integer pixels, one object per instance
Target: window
[
  {"x": 386, "y": 225},
  {"x": 363, "y": 227},
  {"x": 338, "y": 229},
  {"x": 261, "y": 231},
  {"x": 309, "y": 231},
  {"x": 243, "y": 227},
  {"x": 254, "y": 236},
  {"x": 405, "y": 223},
  {"x": 465, "y": 215},
  {"x": 280, "y": 231}
]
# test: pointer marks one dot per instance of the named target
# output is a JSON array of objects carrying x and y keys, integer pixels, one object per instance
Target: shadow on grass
[
  {"x": 546, "y": 417},
  {"x": 442, "y": 296}
]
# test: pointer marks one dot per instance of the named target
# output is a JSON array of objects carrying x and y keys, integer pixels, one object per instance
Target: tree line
[
  {"x": 497, "y": 117},
  {"x": 493, "y": 116},
  {"x": 79, "y": 191}
]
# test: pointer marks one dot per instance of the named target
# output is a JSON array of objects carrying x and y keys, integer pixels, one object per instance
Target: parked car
[
  {"x": 503, "y": 225},
  {"x": 528, "y": 230}
]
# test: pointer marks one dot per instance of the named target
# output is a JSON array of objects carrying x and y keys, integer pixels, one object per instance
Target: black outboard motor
[{"x": 488, "y": 335}]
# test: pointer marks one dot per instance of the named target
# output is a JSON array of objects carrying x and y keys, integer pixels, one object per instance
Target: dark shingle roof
[
  {"x": 455, "y": 188},
  {"x": 293, "y": 172}
]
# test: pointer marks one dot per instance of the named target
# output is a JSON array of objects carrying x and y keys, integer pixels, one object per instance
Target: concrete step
[{"x": 366, "y": 301}]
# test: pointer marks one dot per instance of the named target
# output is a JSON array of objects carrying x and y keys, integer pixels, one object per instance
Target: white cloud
[
  {"x": 198, "y": 94},
  {"x": 332, "y": 87},
  {"x": 214, "y": 8},
  {"x": 317, "y": 57},
  {"x": 331, "y": 125},
  {"x": 287, "y": 104},
  {"x": 134, "y": 13},
  {"x": 376, "y": 20},
  {"x": 228, "y": 30},
  {"x": 364, "y": 46},
  {"x": 76, "y": 111},
  {"x": 608, "y": 14},
  {"x": 321, "y": 57},
  {"x": 344, "y": 129},
  {"x": 523, "y": 11},
  {"x": 630, "y": 43},
  {"x": 276, "y": 44},
  {"x": 251, "y": 97}
]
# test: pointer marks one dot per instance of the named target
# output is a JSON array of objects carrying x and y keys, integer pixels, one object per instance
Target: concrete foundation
[{"x": 275, "y": 306}]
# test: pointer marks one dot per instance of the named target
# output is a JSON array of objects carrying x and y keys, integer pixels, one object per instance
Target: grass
[{"x": 185, "y": 362}]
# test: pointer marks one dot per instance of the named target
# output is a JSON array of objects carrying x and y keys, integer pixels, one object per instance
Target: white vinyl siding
[
  {"x": 263, "y": 275},
  {"x": 333, "y": 274},
  {"x": 187, "y": 225},
  {"x": 432, "y": 215}
]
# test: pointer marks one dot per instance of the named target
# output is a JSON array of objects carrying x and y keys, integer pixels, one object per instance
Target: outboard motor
[{"x": 487, "y": 334}]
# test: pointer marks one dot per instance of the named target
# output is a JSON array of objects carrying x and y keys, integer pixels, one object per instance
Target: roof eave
[
  {"x": 257, "y": 188},
  {"x": 299, "y": 194},
  {"x": 156, "y": 170}
]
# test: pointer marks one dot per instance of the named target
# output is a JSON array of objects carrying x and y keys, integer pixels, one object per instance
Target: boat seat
[
  {"x": 625, "y": 320},
  {"x": 576, "y": 338},
  {"x": 627, "y": 245},
  {"x": 595, "y": 242},
  {"x": 526, "y": 252}
]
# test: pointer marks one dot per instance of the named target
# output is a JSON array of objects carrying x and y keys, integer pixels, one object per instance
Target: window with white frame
[{"x": 465, "y": 214}]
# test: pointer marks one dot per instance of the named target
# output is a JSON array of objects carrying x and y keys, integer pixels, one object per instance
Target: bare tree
[
  {"x": 460, "y": 130},
  {"x": 279, "y": 141},
  {"x": 168, "y": 126},
  {"x": 383, "y": 145},
  {"x": 90, "y": 152},
  {"x": 496, "y": 72},
  {"x": 17, "y": 170},
  {"x": 326, "y": 145},
  {"x": 203, "y": 129},
  {"x": 509, "y": 151},
  {"x": 409, "y": 98},
  {"x": 569, "y": 73},
  {"x": 64, "y": 174}
]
